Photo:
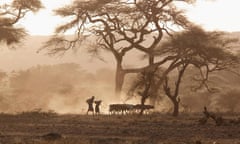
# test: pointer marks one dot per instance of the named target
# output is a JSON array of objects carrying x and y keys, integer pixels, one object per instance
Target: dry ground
[{"x": 32, "y": 128}]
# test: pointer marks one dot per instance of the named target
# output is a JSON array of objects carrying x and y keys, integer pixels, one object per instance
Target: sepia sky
[
  {"x": 211, "y": 14},
  {"x": 44, "y": 21}
]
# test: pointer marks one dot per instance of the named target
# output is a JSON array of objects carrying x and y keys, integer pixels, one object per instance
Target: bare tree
[
  {"x": 119, "y": 26},
  {"x": 10, "y": 14}
]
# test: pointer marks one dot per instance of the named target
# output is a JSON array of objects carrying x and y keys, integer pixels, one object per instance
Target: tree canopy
[
  {"x": 195, "y": 47},
  {"x": 11, "y": 14},
  {"x": 207, "y": 51},
  {"x": 119, "y": 26}
]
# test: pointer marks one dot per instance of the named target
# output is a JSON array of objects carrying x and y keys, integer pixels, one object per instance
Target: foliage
[
  {"x": 115, "y": 22},
  {"x": 140, "y": 82},
  {"x": 121, "y": 27},
  {"x": 206, "y": 51},
  {"x": 10, "y": 14},
  {"x": 11, "y": 35},
  {"x": 118, "y": 26}
]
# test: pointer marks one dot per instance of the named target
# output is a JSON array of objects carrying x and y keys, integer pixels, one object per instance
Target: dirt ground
[{"x": 45, "y": 128}]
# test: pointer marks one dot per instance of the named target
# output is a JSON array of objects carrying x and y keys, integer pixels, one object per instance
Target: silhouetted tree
[
  {"x": 119, "y": 26},
  {"x": 10, "y": 15},
  {"x": 206, "y": 51},
  {"x": 146, "y": 86},
  {"x": 173, "y": 96}
]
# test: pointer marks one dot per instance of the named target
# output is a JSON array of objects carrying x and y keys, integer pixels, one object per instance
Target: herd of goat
[{"x": 128, "y": 108}]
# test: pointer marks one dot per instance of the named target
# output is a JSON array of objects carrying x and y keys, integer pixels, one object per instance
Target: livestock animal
[
  {"x": 144, "y": 107},
  {"x": 120, "y": 108},
  {"x": 128, "y": 108}
]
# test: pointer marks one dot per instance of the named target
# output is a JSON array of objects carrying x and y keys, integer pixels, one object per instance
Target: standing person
[
  {"x": 97, "y": 109},
  {"x": 90, "y": 104}
]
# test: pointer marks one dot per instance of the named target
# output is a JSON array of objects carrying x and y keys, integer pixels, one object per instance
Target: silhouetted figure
[
  {"x": 90, "y": 102},
  {"x": 97, "y": 109}
]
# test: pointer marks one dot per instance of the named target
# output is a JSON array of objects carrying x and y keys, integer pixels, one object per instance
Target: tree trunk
[
  {"x": 145, "y": 94},
  {"x": 174, "y": 97},
  {"x": 143, "y": 99},
  {"x": 119, "y": 80},
  {"x": 175, "y": 108}
]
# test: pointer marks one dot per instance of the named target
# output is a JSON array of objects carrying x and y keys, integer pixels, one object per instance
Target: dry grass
[{"x": 32, "y": 128}]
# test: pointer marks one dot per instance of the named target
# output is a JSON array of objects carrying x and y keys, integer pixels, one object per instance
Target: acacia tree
[
  {"x": 173, "y": 96},
  {"x": 11, "y": 14},
  {"x": 120, "y": 26},
  {"x": 207, "y": 51}
]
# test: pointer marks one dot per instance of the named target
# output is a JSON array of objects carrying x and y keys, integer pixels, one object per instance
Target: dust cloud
[{"x": 64, "y": 88}]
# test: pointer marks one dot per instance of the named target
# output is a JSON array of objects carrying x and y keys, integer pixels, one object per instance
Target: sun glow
[
  {"x": 216, "y": 14},
  {"x": 211, "y": 14},
  {"x": 44, "y": 21}
]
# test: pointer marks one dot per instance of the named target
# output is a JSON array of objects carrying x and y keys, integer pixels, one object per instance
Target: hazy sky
[{"x": 211, "y": 14}]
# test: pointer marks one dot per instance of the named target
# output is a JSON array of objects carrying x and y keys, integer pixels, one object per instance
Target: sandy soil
[{"x": 44, "y": 128}]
